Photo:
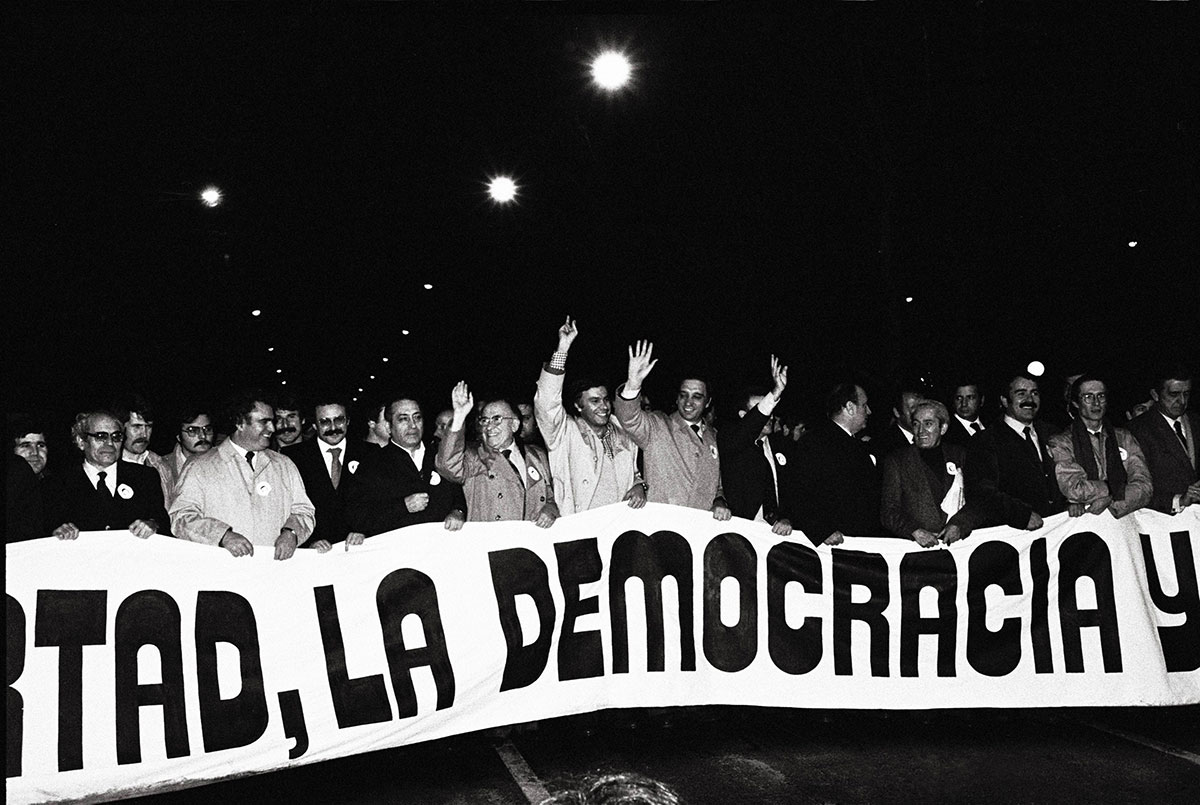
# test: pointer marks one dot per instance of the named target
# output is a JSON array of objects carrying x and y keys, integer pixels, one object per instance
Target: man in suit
[
  {"x": 899, "y": 433},
  {"x": 193, "y": 436},
  {"x": 289, "y": 422},
  {"x": 398, "y": 485},
  {"x": 327, "y": 465},
  {"x": 754, "y": 462},
  {"x": 502, "y": 479},
  {"x": 681, "y": 462},
  {"x": 23, "y": 514},
  {"x": 104, "y": 493},
  {"x": 1167, "y": 434},
  {"x": 1010, "y": 476},
  {"x": 137, "y": 418},
  {"x": 923, "y": 483},
  {"x": 836, "y": 482},
  {"x": 379, "y": 430},
  {"x": 1098, "y": 466},
  {"x": 28, "y": 439},
  {"x": 966, "y": 401}
]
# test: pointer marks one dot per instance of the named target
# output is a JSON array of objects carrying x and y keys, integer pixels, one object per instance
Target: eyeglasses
[
  {"x": 1090, "y": 398},
  {"x": 116, "y": 437},
  {"x": 197, "y": 430},
  {"x": 493, "y": 421},
  {"x": 337, "y": 420}
]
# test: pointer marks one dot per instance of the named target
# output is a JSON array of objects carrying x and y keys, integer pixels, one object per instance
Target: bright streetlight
[
  {"x": 502, "y": 189},
  {"x": 611, "y": 70},
  {"x": 211, "y": 196}
]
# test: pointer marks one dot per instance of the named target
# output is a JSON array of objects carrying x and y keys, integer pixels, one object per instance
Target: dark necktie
[
  {"x": 102, "y": 487},
  {"x": 696, "y": 429},
  {"x": 976, "y": 427},
  {"x": 1179, "y": 433},
  {"x": 507, "y": 453},
  {"x": 250, "y": 458},
  {"x": 1032, "y": 444},
  {"x": 335, "y": 466}
]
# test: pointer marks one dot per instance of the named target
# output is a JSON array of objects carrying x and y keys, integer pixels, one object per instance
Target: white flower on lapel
[
  {"x": 781, "y": 459},
  {"x": 434, "y": 478},
  {"x": 263, "y": 489},
  {"x": 124, "y": 491},
  {"x": 353, "y": 467},
  {"x": 713, "y": 449},
  {"x": 951, "y": 469},
  {"x": 1124, "y": 453},
  {"x": 533, "y": 473}
]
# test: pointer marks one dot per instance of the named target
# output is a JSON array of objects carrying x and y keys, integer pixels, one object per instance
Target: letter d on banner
[
  {"x": 224, "y": 617},
  {"x": 518, "y": 571}
]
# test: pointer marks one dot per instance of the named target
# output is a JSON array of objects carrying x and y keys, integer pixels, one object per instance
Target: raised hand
[
  {"x": 779, "y": 375},
  {"x": 463, "y": 402},
  {"x": 567, "y": 334},
  {"x": 640, "y": 365}
]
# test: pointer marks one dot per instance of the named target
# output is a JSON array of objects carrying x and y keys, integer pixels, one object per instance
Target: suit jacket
[
  {"x": 490, "y": 482},
  {"x": 956, "y": 433},
  {"x": 1006, "y": 482},
  {"x": 330, "y": 503},
  {"x": 745, "y": 474},
  {"x": 887, "y": 442},
  {"x": 1172, "y": 470},
  {"x": 387, "y": 476},
  {"x": 71, "y": 498},
  {"x": 23, "y": 518},
  {"x": 913, "y": 493},
  {"x": 1076, "y": 487},
  {"x": 836, "y": 485}
]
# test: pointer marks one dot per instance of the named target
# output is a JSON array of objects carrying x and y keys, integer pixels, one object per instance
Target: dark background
[{"x": 772, "y": 182}]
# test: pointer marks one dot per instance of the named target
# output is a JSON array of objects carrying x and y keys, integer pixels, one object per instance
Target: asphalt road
[{"x": 765, "y": 755}]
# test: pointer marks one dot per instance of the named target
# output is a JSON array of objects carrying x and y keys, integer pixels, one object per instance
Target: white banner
[{"x": 138, "y": 665}]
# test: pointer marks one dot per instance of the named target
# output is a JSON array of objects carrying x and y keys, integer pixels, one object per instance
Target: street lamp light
[{"x": 611, "y": 70}]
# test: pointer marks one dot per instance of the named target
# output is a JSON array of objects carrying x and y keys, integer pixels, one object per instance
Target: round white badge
[
  {"x": 1124, "y": 453},
  {"x": 434, "y": 478},
  {"x": 533, "y": 474},
  {"x": 781, "y": 459},
  {"x": 263, "y": 489},
  {"x": 124, "y": 491},
  {"x": 353, "y": 467},
  {"x": 951, "y": 469},
  {"x": 713, "y": 449}
]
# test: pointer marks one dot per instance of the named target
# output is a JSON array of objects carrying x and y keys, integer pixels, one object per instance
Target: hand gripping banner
[{"x": 142, "y": 665}]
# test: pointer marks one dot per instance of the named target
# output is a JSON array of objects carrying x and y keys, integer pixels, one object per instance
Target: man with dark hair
[
  {"x": 501, "y": 478},
  {"x": 899, "y": 434},
  {"x": 103, "y": 493},
  {"x": 379, "y": 430},
  {"x": 242, "y": 493},
  {"x": 137, "y": 418},
  {"x": 289, "y": 422},
  {"x": 1010, "y": 476},
  {"x": 1167, "y": 434},
  {"x": 398, "y": 485},
  {"x": 594, "y": 461},
  {"x": 923, "y": 483},
  {"x": 28, "y": 439},
  {"x": 965, "y": 402},
  {"x": 754, "y": 461},
  {"x": 836, "y": 489},
  {"x": 193, "y": 436},
  {"x": 328, "y": 465},
  {"x": 1098, "y": 466},
  {"x": 680, "y": 456}
]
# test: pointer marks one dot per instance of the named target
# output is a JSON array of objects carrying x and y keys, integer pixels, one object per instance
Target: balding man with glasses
[{"x": 104, "y": 493}]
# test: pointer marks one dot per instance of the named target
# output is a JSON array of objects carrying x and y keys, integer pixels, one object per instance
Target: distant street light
[
  {"x": 1132, "y": 243},
  {"x": 428, "y": 287},
  {"x": 611, "y": 70},
  {"x": 211, "y": 196},
  {"x": 256, "y": 312},
  {"x": 1036, "y": 368},
  {"x": 502, "y": 189}
]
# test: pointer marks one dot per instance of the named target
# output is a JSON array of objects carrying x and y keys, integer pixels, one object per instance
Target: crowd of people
[{"x": 272, "y": 473}]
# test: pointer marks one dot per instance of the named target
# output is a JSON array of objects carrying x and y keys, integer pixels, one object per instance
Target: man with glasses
[
  {"x": 137, "y": 418},
  {"x": 502, "y": 479},
  {"x": 243, "y": 494},
  {"x": 398, "y": 485},
  {"x": 104, "y": 493},
  {"x": 194, "y": 437},
  {"x": 328, "y": 464},
  {"x": 1098, "y": 466}
]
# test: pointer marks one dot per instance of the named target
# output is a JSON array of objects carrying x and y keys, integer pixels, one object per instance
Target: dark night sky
[{"x": 772, "y": 182}]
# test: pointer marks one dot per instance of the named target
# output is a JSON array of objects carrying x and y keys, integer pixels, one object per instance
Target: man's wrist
[
  {"x": 629, "y": 391},
  {"x": 288, "y": 530}
]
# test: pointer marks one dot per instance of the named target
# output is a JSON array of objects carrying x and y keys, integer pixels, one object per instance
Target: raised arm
[
  {"x": 452, "y": 450},
  {"x": 626, "y": 405},
  {"x": 547, "y": 401}
]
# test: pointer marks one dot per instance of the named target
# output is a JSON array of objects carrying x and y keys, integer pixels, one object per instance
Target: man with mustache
[
  {"x": 1098, "y": 466},
  {"x": 193, "y": 436},
  {"x": 242, "y": 494},
  {"x": 1009, "y": 475},
  {"x": 681, "y": 461},
  {"x": 103, "y": 493},
  {"x": 328, "y": 464},
  {"x": 137, "y": 418},
  {"x": 1167, "y": 434},
  {"x": 289, "y": 422}
]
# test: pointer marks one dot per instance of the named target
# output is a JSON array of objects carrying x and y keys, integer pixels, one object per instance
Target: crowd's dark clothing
[
  {"x": 746, "y": 472},
  {"x": 915, "y": 482},
  {"x": 330, "y": 503},
  {"x": 836, "y": 485},
  {"x": 888, "y": 442},
  {"x": 386, "y": 477},
  {"x": 957, "y": 433},
  {"x": 23, "y": 516},
  {"x": 1006, "y": 482},
  {"x": 70, "y": 498},
  {"x": 1172, "y": 467}
]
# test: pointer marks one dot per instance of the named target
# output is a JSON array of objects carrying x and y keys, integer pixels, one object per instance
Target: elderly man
[
  {"x": 1098, "y": 466},
  {"x": 1009, "y": 476},
  {"x": 397, "y": 485},
  {"x": 836, "y": 479},
  {"x": 328, "y": 464},
  {"x": 103, "y": 493},
  {"x": 242, "y": 493},
  {"x": 501, "y": 478},
  {"x": 193, "y": 436},
  {"x": 137, "y": 418},
  {"x": 966, "y": 401},
  {"x": 1167, "y": 434},
  {"x": 923, "y": 483},
  {"x": 593, "y": 460},
  {"x": 754, "y": 463},
  {"x": 679, "y": 450}
]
